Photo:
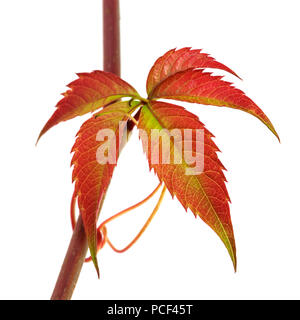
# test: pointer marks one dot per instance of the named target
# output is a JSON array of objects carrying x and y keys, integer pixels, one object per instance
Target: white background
[{"x": 43, "y": 44}]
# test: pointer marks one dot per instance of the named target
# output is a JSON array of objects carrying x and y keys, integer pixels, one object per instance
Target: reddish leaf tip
[
  {"x": 39, "y": 137},
  {"x": 235, "y": 267}
]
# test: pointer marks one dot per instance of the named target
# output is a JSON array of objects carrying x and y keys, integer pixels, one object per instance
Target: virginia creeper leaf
[
  {"x": 183, "y": 59},
  {"x": 203, "y": 192},
  {"x": 88, "y": 93},
  {"x": 96, "y": 152},
  {"x": 177, "y": 75},
  {"x": 202, "y": 87}
]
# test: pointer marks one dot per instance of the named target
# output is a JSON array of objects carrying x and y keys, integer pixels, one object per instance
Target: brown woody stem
[
  {"x": 72, "y": 264},
  {"x": 77, "y": 250},
  {"x": 111, "y": 37}
]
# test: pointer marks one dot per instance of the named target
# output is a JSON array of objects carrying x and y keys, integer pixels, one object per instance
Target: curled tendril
[{"x": 102, "y": 237}]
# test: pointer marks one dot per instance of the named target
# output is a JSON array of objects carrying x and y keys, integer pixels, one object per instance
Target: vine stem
[
  {"x": 77, "y": 250},
  {"x": 111, "y": 37}
]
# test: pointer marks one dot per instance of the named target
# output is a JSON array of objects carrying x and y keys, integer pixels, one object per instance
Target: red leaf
[
  {"x": 183, "y": 59},
  {"x": 204, "y": 192},
  {"x": 91, "y": 176},
  {"x": 88, "y": 93},
  {"x": 201, "y": 87}
]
